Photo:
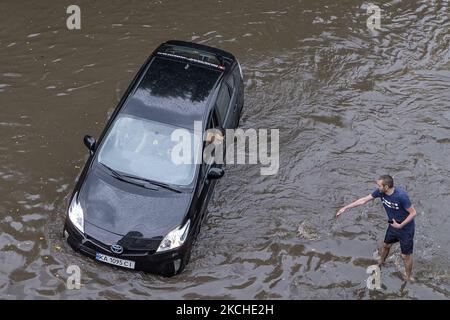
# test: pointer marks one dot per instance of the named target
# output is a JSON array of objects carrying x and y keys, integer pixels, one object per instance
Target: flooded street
[{"x": 350, "y": 103}]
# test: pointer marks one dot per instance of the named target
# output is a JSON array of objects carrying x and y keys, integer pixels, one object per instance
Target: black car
[{"x": 132, "y": 206}]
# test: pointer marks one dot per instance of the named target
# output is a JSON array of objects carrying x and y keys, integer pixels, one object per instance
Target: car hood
[{"x": 123, "y": 208}]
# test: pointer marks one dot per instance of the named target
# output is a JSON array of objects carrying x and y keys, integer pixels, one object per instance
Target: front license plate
[{"x": 115, "y": 261}]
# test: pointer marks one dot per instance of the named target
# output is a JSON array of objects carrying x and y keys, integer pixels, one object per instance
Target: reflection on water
[{"x": 350, "y": 104}]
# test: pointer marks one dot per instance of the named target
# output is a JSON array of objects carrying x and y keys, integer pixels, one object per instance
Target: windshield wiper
[
  {"x": 114, "y": 172},
  {"x": 125, "y": 178},
  {"x": 153, "y": 182}
]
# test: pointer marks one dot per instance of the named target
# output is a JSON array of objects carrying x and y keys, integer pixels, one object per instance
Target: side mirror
[
  {"x": 215, "y": 173},
  {"x": 89, "y": 142}
]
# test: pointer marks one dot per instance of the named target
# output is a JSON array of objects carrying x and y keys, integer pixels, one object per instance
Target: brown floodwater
[{"x": 350, "y": 103}]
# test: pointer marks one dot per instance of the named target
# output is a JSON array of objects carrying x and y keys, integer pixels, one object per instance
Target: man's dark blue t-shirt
[{"x": 396, "y": 205}]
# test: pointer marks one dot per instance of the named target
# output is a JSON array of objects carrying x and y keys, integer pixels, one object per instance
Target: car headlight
[
  {"x": 174, "y": 238},
  {"x": 76, "y": 214}
]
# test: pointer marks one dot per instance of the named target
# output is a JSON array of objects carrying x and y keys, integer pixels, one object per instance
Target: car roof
[{"x": 176, "y": 86}]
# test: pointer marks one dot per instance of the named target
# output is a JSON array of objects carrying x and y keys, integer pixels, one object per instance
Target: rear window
[
  {"x": 191, "y": 54},
  {"x": 171, "y": 92}
]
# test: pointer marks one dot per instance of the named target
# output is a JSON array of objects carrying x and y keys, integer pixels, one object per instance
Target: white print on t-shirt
[{"x": 391, "y": 205}]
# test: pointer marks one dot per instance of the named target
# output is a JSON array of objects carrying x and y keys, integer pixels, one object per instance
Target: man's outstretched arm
[{"x": 359, "y": 202}]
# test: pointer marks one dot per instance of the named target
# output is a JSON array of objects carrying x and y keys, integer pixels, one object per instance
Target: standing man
[{"x": 401, "y": 219}]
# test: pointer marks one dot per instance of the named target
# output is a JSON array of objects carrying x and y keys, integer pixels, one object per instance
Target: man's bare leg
[
  {"x": 384, "y": 251},
  {"x": 408, "y": 261}
]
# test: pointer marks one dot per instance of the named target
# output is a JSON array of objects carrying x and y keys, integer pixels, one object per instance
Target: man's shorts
[{"x": 406, "y": 238}]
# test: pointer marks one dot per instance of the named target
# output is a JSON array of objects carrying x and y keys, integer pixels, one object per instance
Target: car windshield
[{"x": 143, "y": 148}]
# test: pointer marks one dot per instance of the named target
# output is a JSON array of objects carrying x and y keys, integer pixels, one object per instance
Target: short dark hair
[{"x": 387, "y": 180}]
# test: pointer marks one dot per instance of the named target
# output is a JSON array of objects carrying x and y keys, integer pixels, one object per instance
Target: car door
[{"x": 206, "y": 186}]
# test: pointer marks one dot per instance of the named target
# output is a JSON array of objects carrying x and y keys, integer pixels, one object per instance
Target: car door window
[
  {"x": 212, "y": 124},
  {"x": 230, "y": 81},
  {"x": 236, "y": 75},
  {"x": 223, "y": 101}
]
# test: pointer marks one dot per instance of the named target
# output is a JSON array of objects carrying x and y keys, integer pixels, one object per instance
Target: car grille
[{"x": 131, "y": 246}]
